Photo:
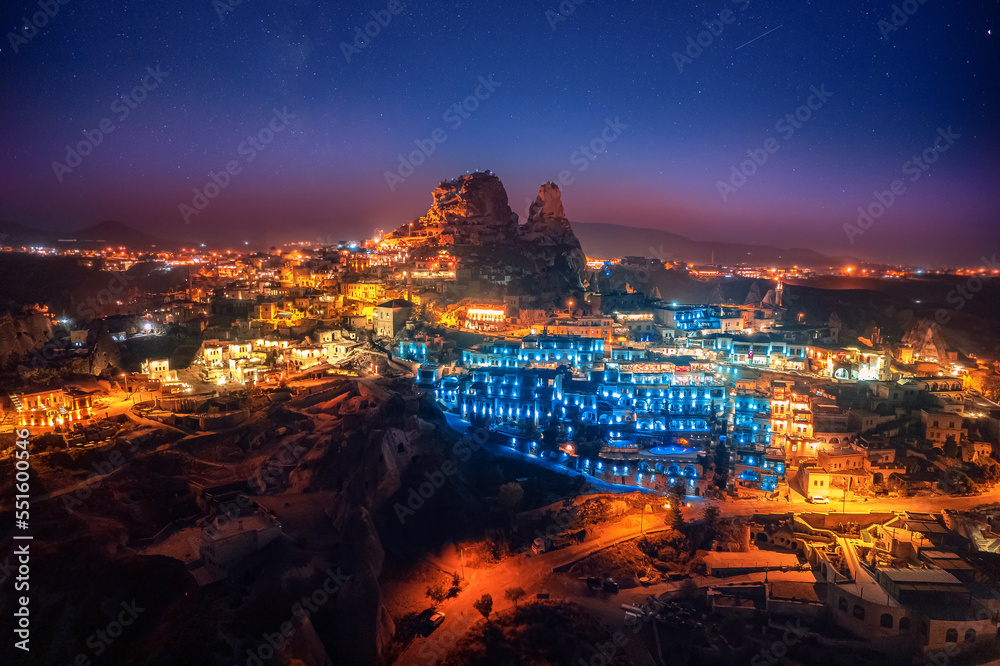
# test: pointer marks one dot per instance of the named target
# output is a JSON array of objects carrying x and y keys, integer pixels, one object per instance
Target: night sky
[{"x": 555, "y": 82}]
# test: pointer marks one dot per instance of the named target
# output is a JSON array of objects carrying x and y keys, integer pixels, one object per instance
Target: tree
[
  {"x": 991, "y": 471},
  {"x": 510, "y": 495},
  {"x": 951, "y": 447},
  {"x": 721, "y": 465},
  {"x": 514, "y": 594},
  {"x": 712, "y": 515},
  {"x": 675, "y": 518},
  {"x": 484, "y": 605},
  {"x": 437, "y": 593},
  {"x": 986, "y": 383},
  {"x": 709, "y": 527}
]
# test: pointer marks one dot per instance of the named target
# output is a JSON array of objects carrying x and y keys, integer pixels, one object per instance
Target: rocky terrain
[
  {"x": 22, "y": 334},
  {"x": 471, "y": 216},
  {"x": 327, "y": 467}
]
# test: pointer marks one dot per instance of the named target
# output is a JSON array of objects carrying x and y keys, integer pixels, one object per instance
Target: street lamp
[
  {"x": 642, "y": 514},
  {"x": 847, "y": 487}
]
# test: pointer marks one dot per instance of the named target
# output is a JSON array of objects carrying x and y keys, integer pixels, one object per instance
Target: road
[
  {"x": 463, "y": 427},
  {"x": 534, "y": 573},
  {"x": 531, "y": 572}
]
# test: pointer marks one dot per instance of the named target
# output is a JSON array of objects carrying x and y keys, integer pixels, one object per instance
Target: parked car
[
  {"x": 609, "y": 585},
  {"x": 433, "y": 622},
  {"x": 819, "y": 499}
]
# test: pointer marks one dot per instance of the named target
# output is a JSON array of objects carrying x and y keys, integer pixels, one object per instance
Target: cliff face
[
  {"x": 471, "y": 209},
  {"x": 22, "y": 334},
  {"x": 928, "y": 341},
  {"x": 472, "y": 216},
  {"x": 547, "y": 222}
]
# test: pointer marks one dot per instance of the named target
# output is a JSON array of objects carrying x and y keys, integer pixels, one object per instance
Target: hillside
[{"x": 611, "y": 240}]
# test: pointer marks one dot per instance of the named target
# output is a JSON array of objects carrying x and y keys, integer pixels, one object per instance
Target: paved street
[{"x": 535, "y": 572}]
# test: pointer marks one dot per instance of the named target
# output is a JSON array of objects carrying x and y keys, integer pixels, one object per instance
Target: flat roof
[
  {"x": 751, "y": 559},
  {"x": 921, "y": 578},
  {"x": 798, "y": 591}
]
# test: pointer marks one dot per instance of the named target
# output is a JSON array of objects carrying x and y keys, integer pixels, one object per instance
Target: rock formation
[
  {"x": 547, "y": 221},
  {"x": 471, "y": 215},
  {"x": 469, "y": 210},
  {"x": 928, "y": 341}
]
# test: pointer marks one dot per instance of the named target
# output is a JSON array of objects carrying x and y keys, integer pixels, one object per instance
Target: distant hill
[
  {"x": 113, "y": 232},
  {"x": 604, "y": 241},
  {"x": 12, "y": 233},
  {"x": 108, "y": 232}
]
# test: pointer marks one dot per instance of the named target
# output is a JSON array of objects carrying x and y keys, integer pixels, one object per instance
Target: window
[
  {"x": 951, "y": 636},
  {"x": 970, "y": 636},
  {"x": 842, "y": 604},
  {"x": 859, "y": 611},
  {"x": 904, "y": 624},
  {"x": 886, "y": 621}
]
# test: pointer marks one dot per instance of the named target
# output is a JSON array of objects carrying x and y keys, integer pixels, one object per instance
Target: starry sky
[{"x": 640, "y": 109}]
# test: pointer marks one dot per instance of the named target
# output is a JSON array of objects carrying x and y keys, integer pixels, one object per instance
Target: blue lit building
[
  {"x": 655, "y": 417},
  {"x": 412, "y": 350},
  {"x": 493, "y": 396},
  {"x": 756, "y": 463},
  {"x": 536, "y": 350}
]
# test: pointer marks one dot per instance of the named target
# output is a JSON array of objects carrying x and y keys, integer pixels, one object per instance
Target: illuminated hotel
[{"x": 51, "y": 408}]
